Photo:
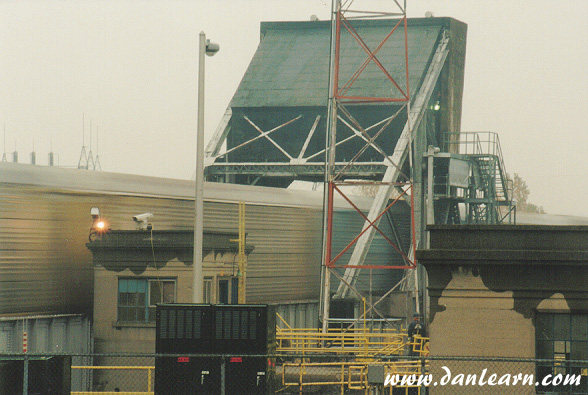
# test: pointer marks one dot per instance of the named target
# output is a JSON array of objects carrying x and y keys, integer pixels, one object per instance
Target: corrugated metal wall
[
  {"x": 61, "y": 333},
  {"x": 298, "y": 315},
  {"x": 69, "y": 334},
  {"x": 45, "y": 220},
  {"x": 285, "y": 262},
  {"x": 44, "y": 265}
]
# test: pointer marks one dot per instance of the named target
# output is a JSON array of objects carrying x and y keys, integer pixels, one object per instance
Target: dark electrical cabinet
[
  {"x": 343, "y": 309},
  {"x": 244, "y": 333},
  {"x": 46, "y": 375}
]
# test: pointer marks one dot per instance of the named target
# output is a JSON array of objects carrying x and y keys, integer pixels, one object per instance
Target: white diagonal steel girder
[
  {"x": 369, "y": 140},
  {"x": 213, "y": 150},
  {"x": 266, "y": 134},
  {"x": 350, "y": 137},
  {"x": 219, "y": 136},
  {"x": 399, "y": 156},
  {"x": 308, "y": 137}
]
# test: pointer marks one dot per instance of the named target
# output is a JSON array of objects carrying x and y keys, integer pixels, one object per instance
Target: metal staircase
[{"x": 487, "y": 199}]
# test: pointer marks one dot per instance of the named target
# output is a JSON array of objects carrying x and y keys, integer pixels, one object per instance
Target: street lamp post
[{"x": 208, "y": 48}]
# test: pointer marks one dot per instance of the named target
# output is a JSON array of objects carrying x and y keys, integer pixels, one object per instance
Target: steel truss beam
[
  {"x": 294, "y": 161},
  {"x": 364, "y": 170},
  {"x": 339, "y": 98}
]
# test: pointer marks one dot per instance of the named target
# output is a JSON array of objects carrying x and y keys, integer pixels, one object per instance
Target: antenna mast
[
  {"x": 97, "y": 165},
  {"x": 4, "y": 159},
  {"x": 345, "y": 98},
  {"x": 83, "y": 161}
]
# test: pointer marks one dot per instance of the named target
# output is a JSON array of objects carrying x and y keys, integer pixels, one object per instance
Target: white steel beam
[
  {"x": 266, "y": 135},
  {"x": 310, "y": 134},
  {"x": 212, "y": 158},
  {"x": 220, "y": 135}
]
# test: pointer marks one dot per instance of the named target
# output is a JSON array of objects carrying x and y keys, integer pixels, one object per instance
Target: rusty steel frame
[
  {"x": 340, "y": 99},
  {"x": 331, "y": 262}
]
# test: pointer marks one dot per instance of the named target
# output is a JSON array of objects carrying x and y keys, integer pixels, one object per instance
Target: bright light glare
[{"x": 100, "y": 225}]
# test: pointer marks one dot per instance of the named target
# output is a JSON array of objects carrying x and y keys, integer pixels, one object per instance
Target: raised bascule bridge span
[{"x": 371, "y": 100}]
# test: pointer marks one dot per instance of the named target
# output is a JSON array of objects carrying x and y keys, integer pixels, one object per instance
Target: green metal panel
[{"x": 291, "y": 65}]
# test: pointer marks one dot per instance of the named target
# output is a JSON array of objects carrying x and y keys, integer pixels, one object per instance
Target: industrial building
[
  {"x": 283, "y": 93},
  {"x": 50, "y": 209},
  {"x": 58, "y": 275}
]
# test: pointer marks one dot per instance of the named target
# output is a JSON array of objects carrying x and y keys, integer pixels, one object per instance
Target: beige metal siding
[
  {"x": 46, "y": 267},
  {"x": 45, "y": 220}
]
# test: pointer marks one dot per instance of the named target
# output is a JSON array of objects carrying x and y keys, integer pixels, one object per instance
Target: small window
[
  {"x": 560, "y": 339},
  {"x": 207, "y": 290},
  {"x": 228, "y": 290},
  {"x": 160, "y": 291},
  {"x": 234, "y": 290},
  {"x": 137, "y": 297},
  {"x": 223, "y": 291}
]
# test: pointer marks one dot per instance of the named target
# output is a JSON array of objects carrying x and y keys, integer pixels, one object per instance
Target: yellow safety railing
[
  {"x": 345, "y": 375},
  {"x": 361, "y": 342},
  {"x": 328, "y": 373},
  {"x": 150, "y": 376},
  {"x": 402, "y": 368},
  {"x": 420, "y": 346}
]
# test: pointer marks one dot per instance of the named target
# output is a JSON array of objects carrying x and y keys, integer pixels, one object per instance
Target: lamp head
[
  {"x": 99, "y": 226},
  {"x": 211, "y": 48}
]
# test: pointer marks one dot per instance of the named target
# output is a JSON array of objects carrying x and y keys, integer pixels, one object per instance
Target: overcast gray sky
[{"x": 131, "y": 68}]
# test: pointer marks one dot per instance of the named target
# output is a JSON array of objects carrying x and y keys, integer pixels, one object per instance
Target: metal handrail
[
  {"x": 361, "y": 342},
  {"x": 352, "y": 375},
  {"x": 483, "y": 144}
]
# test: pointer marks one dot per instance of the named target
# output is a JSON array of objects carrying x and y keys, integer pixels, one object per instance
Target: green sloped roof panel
[{"x": 291, "y": 64}]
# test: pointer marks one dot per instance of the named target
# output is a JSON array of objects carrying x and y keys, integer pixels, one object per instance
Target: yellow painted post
[
  {"x": 300, "y": 378},
  {"x": 242, "y": 262},
  {"x": 364, "y": 315},
  {"x": 241, "y": 254},
  {"x": 149, "y": 380},
  {"x": 365, "y": 335},
  {"x": 342, "y": 379}
]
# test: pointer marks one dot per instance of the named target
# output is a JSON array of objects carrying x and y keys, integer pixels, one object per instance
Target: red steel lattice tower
[{"x": 343, "y": 96}]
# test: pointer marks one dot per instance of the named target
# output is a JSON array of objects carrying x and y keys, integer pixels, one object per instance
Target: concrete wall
[
  {"x": 482, "y": 322},
  {"x": 486, "y": 285},
  {"x": 112, "y": 336}
]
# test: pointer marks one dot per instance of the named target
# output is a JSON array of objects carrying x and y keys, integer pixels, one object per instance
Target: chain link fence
[{"x": 137, "y": 374}]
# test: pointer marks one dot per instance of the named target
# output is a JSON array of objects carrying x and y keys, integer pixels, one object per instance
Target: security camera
[
  {"x": 142, "y": 217},
  {"x": 142, "y": 220}
]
